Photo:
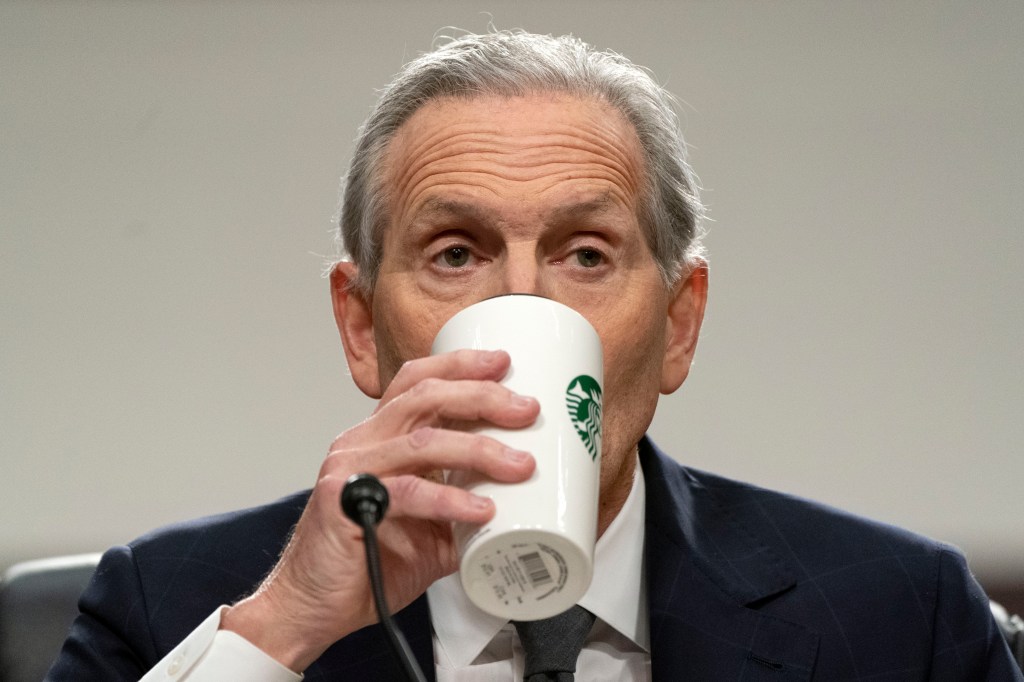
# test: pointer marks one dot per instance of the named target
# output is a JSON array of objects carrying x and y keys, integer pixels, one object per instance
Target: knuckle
[
  {"x": 332, "y": 462},
  {"x": 337, "y": 444},
  {"x": 328, "y": 484},
  {"x": 347, "y": 440},
  {"x": 419, "y": 496},
  {"x": 331, "y": 455},
  {"x": 465, "y": 356},
  {"x": 407, "y": 367},
  {"x": 427, "y": 386},
  {"x": 403, "y": 487},
  {"x": 482, "y": 448},
  {"x": 419, "y": 437},
  {"x": 434, "y": 499},
  {"x": 342, "y": 458}
]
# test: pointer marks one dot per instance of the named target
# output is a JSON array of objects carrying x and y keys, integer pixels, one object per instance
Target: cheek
[
  {"x": 403, "y": 331},
  {"x": 633, "y": 349},
  {"x": 630, "y": 326}
]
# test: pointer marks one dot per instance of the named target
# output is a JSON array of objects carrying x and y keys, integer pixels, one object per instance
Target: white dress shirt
[
  {"x": 473, "y": 646},
  {"x": 470, "y": 645}
]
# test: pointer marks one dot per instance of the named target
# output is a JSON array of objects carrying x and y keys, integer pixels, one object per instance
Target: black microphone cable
[{"x": 364, "y": 499}]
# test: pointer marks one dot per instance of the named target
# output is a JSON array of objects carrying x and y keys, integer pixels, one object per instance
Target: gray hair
[{"x": 515, "y": 64}]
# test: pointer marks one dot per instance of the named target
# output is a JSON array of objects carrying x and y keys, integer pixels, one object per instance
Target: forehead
[{"x": 530, "y": 152}]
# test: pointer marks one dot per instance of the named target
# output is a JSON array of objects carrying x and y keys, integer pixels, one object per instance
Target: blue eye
[{"x": 589, "y": 258}]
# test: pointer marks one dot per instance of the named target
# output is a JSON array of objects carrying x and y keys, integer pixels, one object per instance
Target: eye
[
  {"x": 589, "y": 258},
  {"x": 455, "y": 256}
]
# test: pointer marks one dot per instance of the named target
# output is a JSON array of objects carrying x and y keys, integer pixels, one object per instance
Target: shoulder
[
  {"x": 223, "y": 556},
  {"x": 182, "y": 572},
  {"x": 811, "y": 529},
  {"x": 241, "y": 532},
  {"x": 872, "y": 586},
  {"x": 878, "y": 597},
  {"x": 147, "y": 596},
  {"x": 810, "y": 535}
]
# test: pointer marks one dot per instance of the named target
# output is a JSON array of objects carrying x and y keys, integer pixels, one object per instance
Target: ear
[
  {"x": 353, "y": 314},
  {"x": 685, "y": 314}
]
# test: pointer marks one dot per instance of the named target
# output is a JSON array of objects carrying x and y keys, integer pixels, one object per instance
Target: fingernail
[
  {"x": 481, "y": 503},
  {"x": 491, "y": 357},
  {"x": 517, "y": 456},
  {"x": 521, "y": 401}
]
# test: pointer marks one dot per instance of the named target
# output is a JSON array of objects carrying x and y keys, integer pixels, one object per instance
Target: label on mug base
[{"x": 525, "y": 574}]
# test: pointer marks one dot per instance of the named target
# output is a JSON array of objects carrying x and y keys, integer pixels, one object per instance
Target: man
[{"x": 502, "y": 163}]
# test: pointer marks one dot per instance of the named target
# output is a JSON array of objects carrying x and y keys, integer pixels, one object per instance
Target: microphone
[
  {"x": 364, "y": 494},
  {"x": 364, "y": 499}
]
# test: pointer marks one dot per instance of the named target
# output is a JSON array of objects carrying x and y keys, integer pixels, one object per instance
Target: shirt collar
[
  {"x": 617, "y": 594},
  {"x": 618, "y": 591}
]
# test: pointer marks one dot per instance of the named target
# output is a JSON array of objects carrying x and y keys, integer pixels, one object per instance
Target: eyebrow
[
  {"x": 438, "y": 207},
  {"x": 575, "y": 210}
]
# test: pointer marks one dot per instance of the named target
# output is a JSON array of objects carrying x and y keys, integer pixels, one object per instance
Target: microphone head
[{"x": 364, "y": 494}]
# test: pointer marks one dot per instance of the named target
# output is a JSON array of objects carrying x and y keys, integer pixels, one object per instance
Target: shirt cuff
[{"x": 210, "y": 654}]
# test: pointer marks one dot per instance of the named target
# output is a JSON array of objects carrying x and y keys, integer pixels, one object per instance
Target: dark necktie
[{"x": 552, "y": 645}]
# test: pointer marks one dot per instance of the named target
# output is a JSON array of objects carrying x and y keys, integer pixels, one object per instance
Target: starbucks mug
[{"x": 534, "y": 559}]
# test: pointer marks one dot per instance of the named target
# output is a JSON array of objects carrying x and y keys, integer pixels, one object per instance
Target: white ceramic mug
[{"x": 535, "y": 558}]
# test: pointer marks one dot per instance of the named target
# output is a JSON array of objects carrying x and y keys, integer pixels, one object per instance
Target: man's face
[{"x": 534, "y": 195}]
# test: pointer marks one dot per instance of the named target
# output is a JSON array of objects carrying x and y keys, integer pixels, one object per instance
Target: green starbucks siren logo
[{"x": 583, "y": 398}]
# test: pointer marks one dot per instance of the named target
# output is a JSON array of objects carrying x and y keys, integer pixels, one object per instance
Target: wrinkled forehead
[{"x": 526, "y": 146}]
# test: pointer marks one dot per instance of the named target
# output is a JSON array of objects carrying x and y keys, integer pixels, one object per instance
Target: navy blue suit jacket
[{"x": 743, "y": 583}]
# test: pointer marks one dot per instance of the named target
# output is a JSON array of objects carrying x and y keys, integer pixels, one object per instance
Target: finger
[
  {"x": 428, "y": 449},
  {"x": 460, "y": 364},
  {"x": 437, "y": 402},
  {"x": 418, "y": 498}
]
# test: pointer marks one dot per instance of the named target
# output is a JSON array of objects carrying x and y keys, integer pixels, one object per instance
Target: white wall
[{"x": 168, "y": 174}]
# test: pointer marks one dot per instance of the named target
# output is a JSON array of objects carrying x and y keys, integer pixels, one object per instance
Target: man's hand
[{"x": 319, "y": 591}]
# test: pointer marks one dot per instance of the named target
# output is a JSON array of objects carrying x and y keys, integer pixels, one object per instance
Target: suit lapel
[{"x": 706, "y": 577}]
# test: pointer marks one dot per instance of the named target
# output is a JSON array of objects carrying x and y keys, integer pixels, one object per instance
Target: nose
[{"x": 521, "y": 273}]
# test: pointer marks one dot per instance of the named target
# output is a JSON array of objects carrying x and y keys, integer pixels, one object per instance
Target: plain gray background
[{"x": 169, "y": 173}]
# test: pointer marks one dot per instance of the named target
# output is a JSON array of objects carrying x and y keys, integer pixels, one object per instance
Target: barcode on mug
[{"x": 535, "y": 569}]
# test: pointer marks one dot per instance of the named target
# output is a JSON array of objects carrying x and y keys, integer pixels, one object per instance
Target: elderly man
[{"x": 502, "y": 163}]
